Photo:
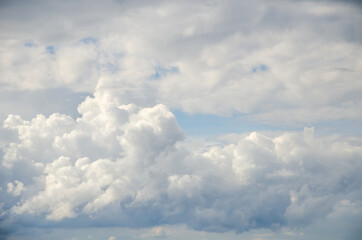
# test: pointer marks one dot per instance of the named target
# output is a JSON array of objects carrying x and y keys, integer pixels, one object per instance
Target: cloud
[
  {"x": 130, "y": 166},
  {"x": 15, "y": 188},
  {"x": 28, "y": 103},
  {"x": 37, "y": 66},
  {"x": 157, "y": 232},
  {"x": 122, "y": 159},
  {"x": 262, "y": 60}
]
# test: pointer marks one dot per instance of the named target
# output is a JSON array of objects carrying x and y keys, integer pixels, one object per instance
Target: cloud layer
[{"x": 286, "y": 62}]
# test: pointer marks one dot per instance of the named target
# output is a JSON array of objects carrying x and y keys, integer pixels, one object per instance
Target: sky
[{"x": 232, "y": 119}]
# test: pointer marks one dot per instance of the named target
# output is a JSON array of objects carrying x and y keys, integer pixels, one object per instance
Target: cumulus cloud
[
  {"x": 15, "y": 188},
  {"x": 133, "y": 162}
]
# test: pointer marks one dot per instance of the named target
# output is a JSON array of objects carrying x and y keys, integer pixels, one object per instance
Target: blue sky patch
[
  {"x": 208, "y": 125},
  {"x": 29, "y": 45},
  {"x": 89, "y": 40},
  {"x": 50, "y": 50},
  {"x": 110, "y": 67},
  {"x": 162, "y": 71},
  {"x": 260, "y": 68}
]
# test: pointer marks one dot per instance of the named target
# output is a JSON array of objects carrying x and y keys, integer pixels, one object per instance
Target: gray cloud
[
  {"x": 301, "y": 47},
  {"x": 46, "y": 101}
]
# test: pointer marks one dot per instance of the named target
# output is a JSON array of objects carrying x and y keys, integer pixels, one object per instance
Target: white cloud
[
  {"x": 32, "y": 66},
  {"x": 133, "y": 162},
  {"x": 157, "y": 232},
  {"x": 15, "y": 188}
]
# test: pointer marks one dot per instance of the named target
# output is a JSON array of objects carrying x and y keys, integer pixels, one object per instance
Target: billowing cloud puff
[{"x": 130, "y": 166}]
